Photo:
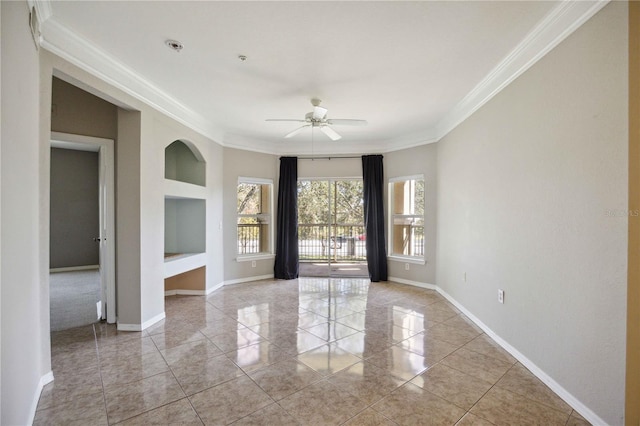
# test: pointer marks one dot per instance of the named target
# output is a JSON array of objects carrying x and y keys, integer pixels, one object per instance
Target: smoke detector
[{"x": 174, "y": 45}]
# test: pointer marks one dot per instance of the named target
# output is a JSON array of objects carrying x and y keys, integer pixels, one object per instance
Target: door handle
[{"x": 96, "y": 239}]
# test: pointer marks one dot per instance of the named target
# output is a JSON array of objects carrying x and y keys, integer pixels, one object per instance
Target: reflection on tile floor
[{"x": 308, "y": 351}]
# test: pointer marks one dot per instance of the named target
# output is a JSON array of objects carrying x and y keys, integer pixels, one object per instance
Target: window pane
[
  {"x": 408, "y": 236},
  {"x": 251, "y": 235},
  {"x": 408, "y": 197},
  {"x": 398, "y": 197},
  {"x": 250, "y": 198},
  {"x": 349, "y": 206},
  {"x": 313, "y": 196},
  {"x": 254, "y": 218},
  {"x": 418, "y": 197}
]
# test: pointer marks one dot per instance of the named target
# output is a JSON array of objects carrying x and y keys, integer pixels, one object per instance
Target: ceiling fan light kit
[{"x": 318, "y": 118}]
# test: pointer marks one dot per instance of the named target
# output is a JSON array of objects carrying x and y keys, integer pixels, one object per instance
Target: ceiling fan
[{"x": 318, "y": 118}]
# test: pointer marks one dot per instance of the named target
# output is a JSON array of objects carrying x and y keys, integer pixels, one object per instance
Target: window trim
[
  {"x": 420, "y": 260},
  {"x": 269, "y": 253}
]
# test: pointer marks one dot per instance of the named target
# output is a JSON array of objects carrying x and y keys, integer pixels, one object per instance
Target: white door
[{"x": 105, "y": 239}]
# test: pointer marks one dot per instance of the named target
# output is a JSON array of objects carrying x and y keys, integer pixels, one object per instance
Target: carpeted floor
[{"x": 73, "y": 298}]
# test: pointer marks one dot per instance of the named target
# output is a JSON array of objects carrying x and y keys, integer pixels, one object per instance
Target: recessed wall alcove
[
  {"x": 184, "y": 218},
  {"x": 184, "y": 163}
]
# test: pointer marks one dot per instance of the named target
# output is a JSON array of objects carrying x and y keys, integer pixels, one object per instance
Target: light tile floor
[{"x": 307, "y": 351}]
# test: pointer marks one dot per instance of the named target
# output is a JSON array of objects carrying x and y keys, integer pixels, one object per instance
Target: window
[
  {"x": 406, "y": 206},
  {"x": 254, "y": 216}
]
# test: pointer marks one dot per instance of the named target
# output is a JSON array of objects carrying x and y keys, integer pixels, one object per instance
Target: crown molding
[
  {"x": 557, "y": 25},
  {"x": 250, "y": 144},
  {"x": 43, "y": 9},
  {"x": 68, "y": 45}
]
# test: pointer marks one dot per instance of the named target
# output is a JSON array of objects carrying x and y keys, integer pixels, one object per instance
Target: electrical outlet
[
  {"x": 406, "y": 266},
  {"x": 253, "y": 263},
  {"x": 500, "y": 295}
]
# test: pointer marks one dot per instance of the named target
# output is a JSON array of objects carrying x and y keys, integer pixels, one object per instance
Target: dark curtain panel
[
  {"x": 286, "y": 264},
  {"x": 372, "y": 177}
]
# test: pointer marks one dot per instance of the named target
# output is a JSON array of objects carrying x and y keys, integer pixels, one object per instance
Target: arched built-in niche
[
  {"x": 184, "y": 163},
  {"x": 184, "y": 218}
]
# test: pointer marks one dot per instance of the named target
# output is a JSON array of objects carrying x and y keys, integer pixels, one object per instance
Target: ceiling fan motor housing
[{"x": 311, "y": 119}]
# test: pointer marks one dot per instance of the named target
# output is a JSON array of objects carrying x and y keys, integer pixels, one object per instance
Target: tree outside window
[
  {"x": 407, "y": 204},
  {"x": 254, "y": 216}
]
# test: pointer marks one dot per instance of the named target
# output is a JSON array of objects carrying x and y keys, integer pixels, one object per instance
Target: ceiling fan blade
[
  {"x": 285, "y": 119},
  {"x": 296, "y": 131},
  {"x": 346, "y": 122},
  {"x": 330, "y": 132},
  {"x": 319, "y": 113}
]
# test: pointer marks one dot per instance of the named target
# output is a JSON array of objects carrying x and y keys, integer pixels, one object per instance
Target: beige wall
[
  {"x": 142, "y": 135},
  {"x": 165, "y": 133},
  {"x": 408, "y": 162},
  {"x": 24, "y": 317},
  {"x": 334, "y": 168},
  {"x": 128, "y": 244},
  {"x": 75, "y": 111},
  {"x": 522, "y": 190},
  {"x": 239, "y": 163},
  {"x": 532, "y": 199},
  {"x": 190, "y": 280},
  {"x": 632, "y": 412}
]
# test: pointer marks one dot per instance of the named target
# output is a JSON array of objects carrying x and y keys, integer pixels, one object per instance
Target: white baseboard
[
  {"x": 245, "y": 280},
  {"x": 215, "y": 287},
  {"x": 185, "y": 293},
  {"x": 44, "y": 380},
  {"x": 140, "y": 327},
  {"x": 413, "y": 283},
  {"x": 194, "y": 292},
  {"x": 584, "y": 411},
  {"x": 129, "y": 327},
  {"x": 74, "y": 268}
]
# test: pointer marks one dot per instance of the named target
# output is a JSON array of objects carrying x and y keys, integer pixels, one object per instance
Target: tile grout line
[
  {"x": 489, "y": 390},
  {"x": 322, "y": 378},
  {"x": 533, "y": 400},
  {"x": 179, "y": 384}
]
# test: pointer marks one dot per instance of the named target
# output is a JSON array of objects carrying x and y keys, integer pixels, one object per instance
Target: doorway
[
  {"x": 331, "y": 233},
  {"x": 82, "y": 250}
]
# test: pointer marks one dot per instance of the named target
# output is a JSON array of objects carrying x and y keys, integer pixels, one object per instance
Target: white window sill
[
  {"x": 407, "y": 259},
  {"x": 257, "y": 256}
]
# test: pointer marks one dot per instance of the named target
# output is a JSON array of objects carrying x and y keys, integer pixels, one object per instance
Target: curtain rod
[{"x": 329, "y": 158}]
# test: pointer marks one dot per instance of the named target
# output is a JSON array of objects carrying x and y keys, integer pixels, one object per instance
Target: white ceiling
[{"x": 413, "y": 70}]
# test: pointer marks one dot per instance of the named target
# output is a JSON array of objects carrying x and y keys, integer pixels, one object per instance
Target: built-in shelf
[
  {"x": 183, "y": 262},
  {"x": 177, "y": 189}
]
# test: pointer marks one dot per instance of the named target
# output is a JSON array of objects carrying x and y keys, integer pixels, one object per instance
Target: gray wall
[
  {"x": 526, "y": 187},
  {"x": 24, "y": 338},
  {"x": 74, "y": 207},
  {"x": 181, "y": 164},
  {"x": 420, "y": 160},
  {"x": 184, "y": 225}
]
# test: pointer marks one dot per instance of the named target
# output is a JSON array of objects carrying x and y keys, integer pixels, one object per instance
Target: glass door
[{"x": 331, "y": 237}]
